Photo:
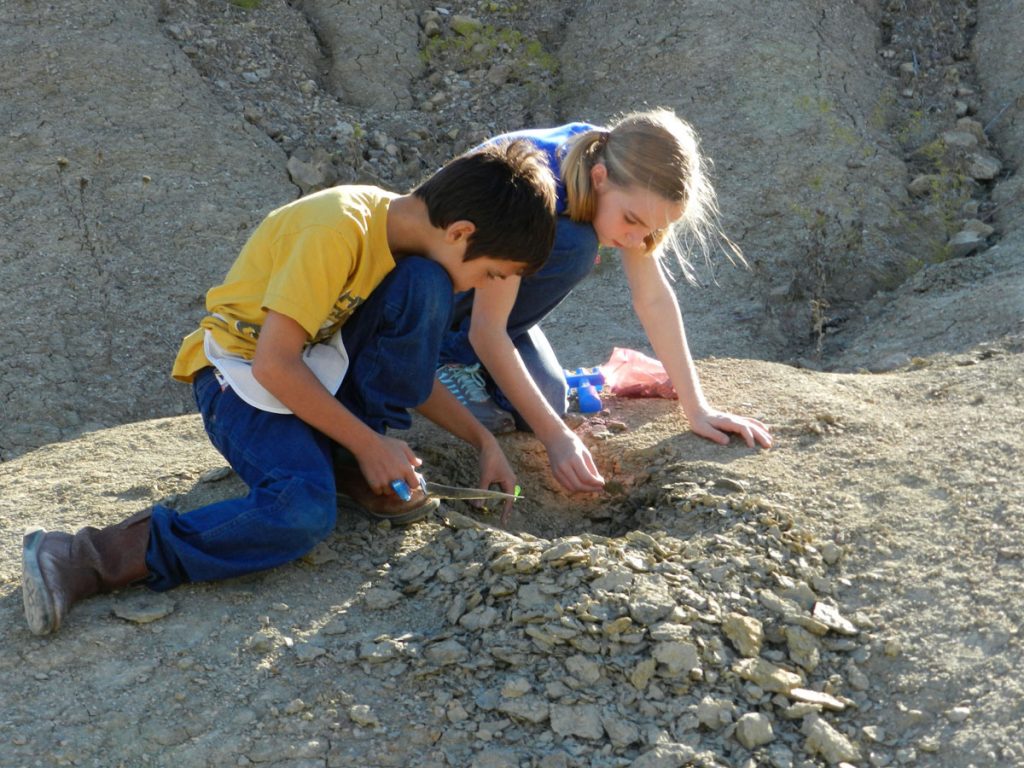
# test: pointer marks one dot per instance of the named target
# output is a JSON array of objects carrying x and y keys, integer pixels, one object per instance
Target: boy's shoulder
[
  {"x": 343, "y": 197},
  {"x": 340, "y": 206}
]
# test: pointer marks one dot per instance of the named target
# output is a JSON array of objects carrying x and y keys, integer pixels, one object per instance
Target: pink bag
[{"x": 629, "y": 373}]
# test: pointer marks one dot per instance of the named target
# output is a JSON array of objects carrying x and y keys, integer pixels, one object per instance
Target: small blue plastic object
[
  {"x": 587, "y": 383},
  {"x": 402, "y": 489}
]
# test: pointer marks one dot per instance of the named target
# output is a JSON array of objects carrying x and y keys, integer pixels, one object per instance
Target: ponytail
[{"x": 585, "y": 150}]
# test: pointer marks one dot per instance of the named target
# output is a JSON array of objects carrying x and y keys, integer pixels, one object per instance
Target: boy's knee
[
  {"x": 309, "y": 513},
  {"x": 422, "y": 273},
  {"x": 423, "y": 287}
]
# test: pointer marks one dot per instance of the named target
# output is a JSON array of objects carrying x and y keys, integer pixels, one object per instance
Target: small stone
[
  {"x": 583, "y": 720},
  {"x": 479, "y": 618},
  {"x": 976, "y": 225},
  {"x": 622, "y": 733},
  {"x": 379, "y": 599},
  {"x": 446, "y": 652},
  {"x": 361, "y": 714},
  {"x": 829, "y": 616},
  {"x": 677, "y": 657},
  {"x": 213, "y": 475},
  {"x": 766, "y": 675},
  {"x": 261, "y": 642},
  {"x": 665, "y": 756},
  {"x": 528, "y": 709},
  {"x": 958, "y": 714},
  {"x": 754, "y": 730},
  {"x": 584, "y": 669},
  {"x": 804, "y": 648},
  {"x": 831, "y": 552},
  {"x": 959, "y": 139},
  {"x": 518, "y": 686},
  {"x": 825, "y": 740},
  {"x": 143, "y": 608},
  {"x": 307, "y": 652},
  {"x": 714, "y": 713},
  {"x": 745, "y": 632},
  {"x": 495, "y": 757},
  {"x": 820, "y": 698},
  {"x": 642, "y": 673},
  {"x": 925, "y": 184},
  {"x": 455, "y": 712},
  {"x": 465, "y": 25},
  {"x": 874, "y": 733},
  {"x": 964, "y": 243},
  {"x": 983, "y": 167},
  {"x": 320, "y": 554},
  {"x": 294, "y": 707}
]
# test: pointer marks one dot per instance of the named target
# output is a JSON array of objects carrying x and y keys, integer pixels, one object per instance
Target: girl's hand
[
  {"x": 387, "y": 459},
  {"x": 573, "y": 466},
  {"x": 715, "y": 426}
]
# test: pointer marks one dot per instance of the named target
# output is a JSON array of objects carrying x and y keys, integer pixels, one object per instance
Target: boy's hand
[
  {"x": 385, "y": 460},
  {"x": 715, "y": 426},
  {"x": 495, "y": 469}
]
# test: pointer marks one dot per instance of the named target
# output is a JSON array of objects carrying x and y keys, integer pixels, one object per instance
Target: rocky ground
[{"x": 851, "y": 597}]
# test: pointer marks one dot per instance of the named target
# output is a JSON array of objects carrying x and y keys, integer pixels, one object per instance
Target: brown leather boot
[
  {"x": 59, "y": 569},
  {"x": 355, "y": 493}
]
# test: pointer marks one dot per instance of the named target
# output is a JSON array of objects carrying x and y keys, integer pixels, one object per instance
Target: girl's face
[{"x": 626, "y": 215}]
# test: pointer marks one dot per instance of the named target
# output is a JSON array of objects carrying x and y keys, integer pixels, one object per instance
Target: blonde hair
[{"x": 657, "y": 151}]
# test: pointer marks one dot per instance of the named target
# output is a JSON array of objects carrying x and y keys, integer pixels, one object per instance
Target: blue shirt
[{"x": 554, "y": 143}]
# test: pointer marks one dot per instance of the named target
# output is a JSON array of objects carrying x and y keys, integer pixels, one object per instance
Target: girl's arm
[
  {"x": 658, "y": 311},
  {"x": 571, "y": 463}
]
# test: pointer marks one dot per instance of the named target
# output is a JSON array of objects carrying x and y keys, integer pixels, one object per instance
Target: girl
[{"x": 631, "y": 187}]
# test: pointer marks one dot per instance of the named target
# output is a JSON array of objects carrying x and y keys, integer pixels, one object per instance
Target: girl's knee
[{"x": 556, "y": 392}]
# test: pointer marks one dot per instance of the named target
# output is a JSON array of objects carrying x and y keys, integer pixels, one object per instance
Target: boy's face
[{"x": 481, "y": 271}]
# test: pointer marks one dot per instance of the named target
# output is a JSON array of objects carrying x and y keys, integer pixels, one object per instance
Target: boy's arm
[
  {"x": 571, "y": 462},
  {"x": 658, "y": 311},
  {"x": 444, "y": 409},
  {"x": 278, "y": 366}
]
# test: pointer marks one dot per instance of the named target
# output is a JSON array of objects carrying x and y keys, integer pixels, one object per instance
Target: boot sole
[
  {"x": 40, "y": 611},
  {"x": 412, "y": 516}
]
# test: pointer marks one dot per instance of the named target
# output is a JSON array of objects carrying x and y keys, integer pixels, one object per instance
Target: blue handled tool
[{"x": 450, "y": 491}]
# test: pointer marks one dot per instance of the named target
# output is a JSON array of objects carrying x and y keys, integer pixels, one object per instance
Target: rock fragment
[{"x": 754, "y": 729}]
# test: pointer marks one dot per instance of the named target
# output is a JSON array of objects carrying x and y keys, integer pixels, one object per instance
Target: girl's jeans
[
  {"x": 571, "y": 259},
  {"x": 392, "y": 341}
]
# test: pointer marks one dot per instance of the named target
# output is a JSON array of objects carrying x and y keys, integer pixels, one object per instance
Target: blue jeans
[
  {"x": 571, "y": 259},
  {"x": 392, "y": 341}
]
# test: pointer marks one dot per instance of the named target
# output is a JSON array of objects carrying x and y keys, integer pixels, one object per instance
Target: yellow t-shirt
[{"x": 314, "y": 260}]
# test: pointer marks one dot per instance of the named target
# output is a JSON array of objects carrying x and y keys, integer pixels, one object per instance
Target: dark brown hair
[{"x": 507, "y": 191}]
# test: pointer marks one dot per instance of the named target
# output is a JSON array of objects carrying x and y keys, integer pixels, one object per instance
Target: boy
[{"x": 325, "y": 282}]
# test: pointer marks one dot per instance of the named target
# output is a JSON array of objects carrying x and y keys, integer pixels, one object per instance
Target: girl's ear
[
  {"x": 459, "y": 231},
  {"x": 598, "y": 175}
]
